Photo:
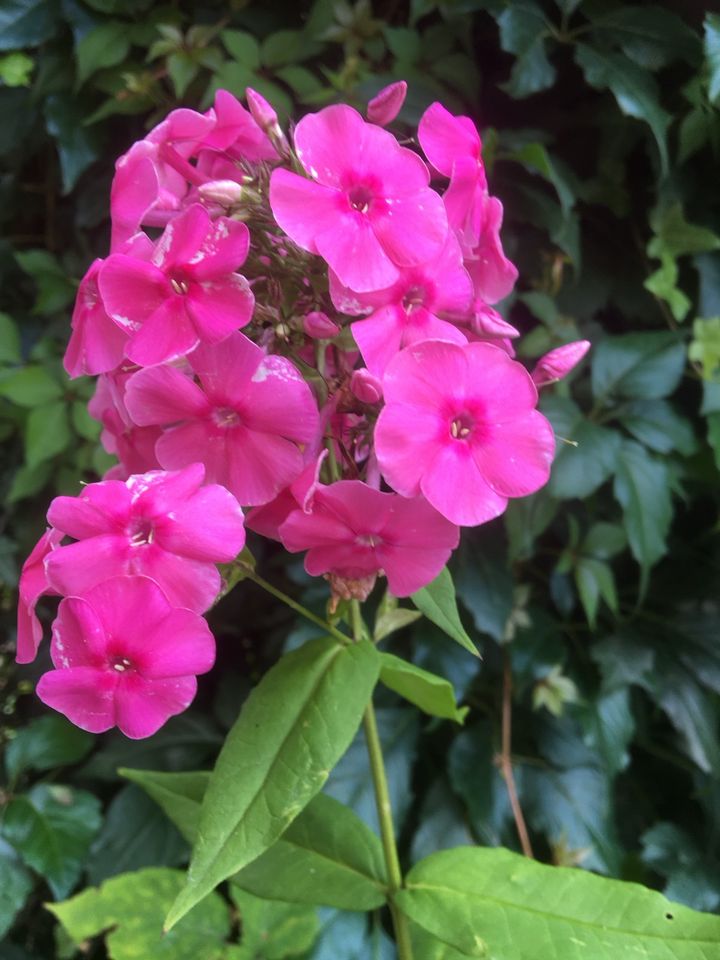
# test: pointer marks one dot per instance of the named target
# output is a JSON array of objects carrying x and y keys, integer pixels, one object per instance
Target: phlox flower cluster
[{"x": 303, "y": 329}]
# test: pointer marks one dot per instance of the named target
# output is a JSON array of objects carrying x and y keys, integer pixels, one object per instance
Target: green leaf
[
  {"x": 9, "y": 340},
  {"x": 47, "y": 433},
  {"x": 674, "y": 236},
  {"x": 523, "y": 31},
  {"x": 485, "y": 584},
  {"x": 490, "y": 902},
  {"x": 634, "y": 89},
  {"x": 135, "y": 834},
  {"x": 45, "y": 743},
  {"x": 604, "y": 540},
  {"x": 693, "y": 134},
  {"x": 663, "y": 284},
  {"x": 693, "y": 875},
  {"x": 243, "y": 47},
  {"x": 26, "y": 23},
  {"x": 182, "y": 70},
  {"x": 55, "y": 291},
  {"x": 15, "y": 69},
  {"x": 642, "y": 487},
  {"x": 404, "y": 43},
  {"x": 432, "y": 694},
  {"x": 51, "y": 827},
  {"x": 438, "y": 602},
  {"x": 647, "y": 365},
  {"x": 179, "y": 794},
  {"x": 589, "y": 458},
  {"x": 390, "y": 621},
  {"x": 28, "y": 481},
  {"x": 652, "y": 36},
  {"x": 104, "y": 46},
  {"x": 78, "y": 144},
  {"x": 705, "y": 346},
  {"x": 595, "y": 580},
  {"x": 326, "y": 856},
  {"x": 29, "y": 386},
  {"x": 536, "y": 158},
  {"x": 275, "y": 760},
  {"x": 427, "y": 947},
  {"x": 287, "y": 46},
  {"x": 659, "y": 426},
  {"x": 132, "y": 907},
  {"x": 274, "y": 930},
  {"x": 712, "y": 54},
  {"x": 15, "y": 886}
]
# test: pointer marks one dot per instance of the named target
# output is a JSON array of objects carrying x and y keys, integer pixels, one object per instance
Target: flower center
[
  {"x": 360, "y": 199},
  {"x": 225, "y": 417},
  {"x": 461, "y": 426},
  {"x": 141, "y": 533},
  {"x": 413, "y": 299},
  {"x": 178, "y": 286},
  {"x": 121, "y": 664},
  {"x": 368, "y": 540}
]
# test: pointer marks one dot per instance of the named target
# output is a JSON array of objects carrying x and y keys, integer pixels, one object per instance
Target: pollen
[{"x": 178, "y": 286}]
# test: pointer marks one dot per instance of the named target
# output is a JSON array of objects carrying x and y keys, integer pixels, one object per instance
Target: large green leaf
[
  {"x": 634, "y": 89},
  {"x": 46, "y": 742},
  {"x": 47, "y": 433},
  {"x": 642, "y": 486},
  {"x": 434, "y": 695},
  {"x": 493, "y": 903},
  {"x": 179, "y": 794},
  {"x": 586, "y": 454},
  {"x": 51, "y": 827},
  {"x": 15, "y": 886},
  {"x": 26, "y": 23},
  {"x": 132, "y": 906},
  {"x": 438, "y": 602},
  {"x": 638, "y": 365},
  {"x": 650, "y": 35},
  {"x": 524, "y": 31},
  {"x": 271, "y": 930},
  {"x": 293, "y": 728},
  {"x": 326, "y": 856}
]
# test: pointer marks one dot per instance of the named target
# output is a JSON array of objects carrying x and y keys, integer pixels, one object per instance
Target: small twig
[{"x": 506, "y": 761}]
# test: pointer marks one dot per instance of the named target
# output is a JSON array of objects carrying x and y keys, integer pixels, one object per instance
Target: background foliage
[{"x": 597, "y": 597}]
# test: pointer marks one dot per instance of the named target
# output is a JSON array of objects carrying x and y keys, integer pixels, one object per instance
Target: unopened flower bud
[
  {"x": 319, "y": 326},
  {"x": 487, "y": 322},
  {"x": 366, "y": 387},
  {"x": 265, "y": 117},
  {"x": 559, "y": 362},
  {"x": 384, "y": 107},
  {"x": 227, "y": 193}
]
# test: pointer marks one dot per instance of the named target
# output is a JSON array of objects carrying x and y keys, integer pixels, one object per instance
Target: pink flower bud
[
  {"x": 559, "y": 362},
  {"x": 225, "y": 192},
  {"x": 266, "y": 118},
  {"x": 384, "y": 107},
  {"x": 366, "y": 387},
  {"x": 319, "y": 326}
]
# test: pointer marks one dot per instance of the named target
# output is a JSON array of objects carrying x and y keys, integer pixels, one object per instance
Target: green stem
[
  {"x": 384, "y": 810},
  {"x": 297, "y": 607}
]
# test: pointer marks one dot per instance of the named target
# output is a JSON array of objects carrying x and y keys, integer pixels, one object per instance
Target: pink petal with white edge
[
  {"x": 77, "y": 567},
  {"x": 85, "y": 695},
  {"x": 444, "y": 138},
  {"x": 163, "y": 395},
  {"x": 142, "y": 706},
  {"x": 131, "y": 289},
  {"x": 516, "y": 460},
  {"x": 167, "y": 334},
  {"x": 223, "y": 250},
  {"x": 208, "y": 526},
  {"x": 79, "y": 638},
  {"x": 411, "y": 229},
  {"x": 353, "y": 251},
  {"x": 96, "y": 510},
  {"x": 159, "y": 492},
  {"x": 182, "y": 239},
  {"x": 277, "y": 387},
  {"x": 302, "y": 207},
  {"x": 406, "y": 440},
  {"x": 218, "y": 307},
  {"x": 454, "y": 485}
]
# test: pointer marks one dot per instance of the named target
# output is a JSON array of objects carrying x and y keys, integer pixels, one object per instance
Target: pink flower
[
  {"x": 124, "y": 657},
  {"x": 367, "y": 209},
  {"x": 492, "y": 273},
  {"x": 33, "y": 584},
  {"x": 236, "y": 132},
  {"x": 319, "y": 326},
  {"x": 188, "y": 293},
  {"x": 133, "y": 446},
  {"x": 409, "y": 310},
  {"x": 460, "y": 427},
  {"x": 163, "y": 525},
  {"x": 387, "y": 104},
  {"x": 354, "y": 532},
  {"x": 244, "y": 420},
  {"x": 559, "y": 362},
  {"x": 446, "y": 139}
]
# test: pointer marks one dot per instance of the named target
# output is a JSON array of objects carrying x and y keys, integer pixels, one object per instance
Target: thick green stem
[
  {"x": 297, "y": 607},
  {"x": 384, "y": 810}
]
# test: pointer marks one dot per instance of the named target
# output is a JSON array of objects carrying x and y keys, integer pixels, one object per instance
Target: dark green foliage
[{"x": 599, "y": 595}]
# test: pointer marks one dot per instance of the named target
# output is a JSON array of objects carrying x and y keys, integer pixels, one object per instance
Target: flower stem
[
  {"x": 384, "y": 810},
  {"x": 297, "y": 607}
]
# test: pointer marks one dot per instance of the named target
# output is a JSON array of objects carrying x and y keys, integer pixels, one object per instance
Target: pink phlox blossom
[
  {"x": 188, "y": 293},
  {"x": 133, "y": 446},
  {"x": 486, "y": 324},
  {"x": 493, "y": 275},
  {"x": 367, "y": 208},
  {"x": 33, "y": 584},
  {"x": 236, "y": 133},
  {"x": 267, "y": 519},
  {"x": 166, "y": 526},
  {"x": 416, "y": 307},
  {"x": 366, "y": 387},
  {"x": 97, "y": 343},
  {"x": 125, "y": 657},
  {"x": 387, "y": 104},
  {"x": 559, "y": 362},
  {"x": 319, "y": 326},
  {"x": 353, "y": 531},
  {"x": 445, "y": 139},
  {"x": 248, "y": 418},
  {"x": 460, "y": 426}
]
